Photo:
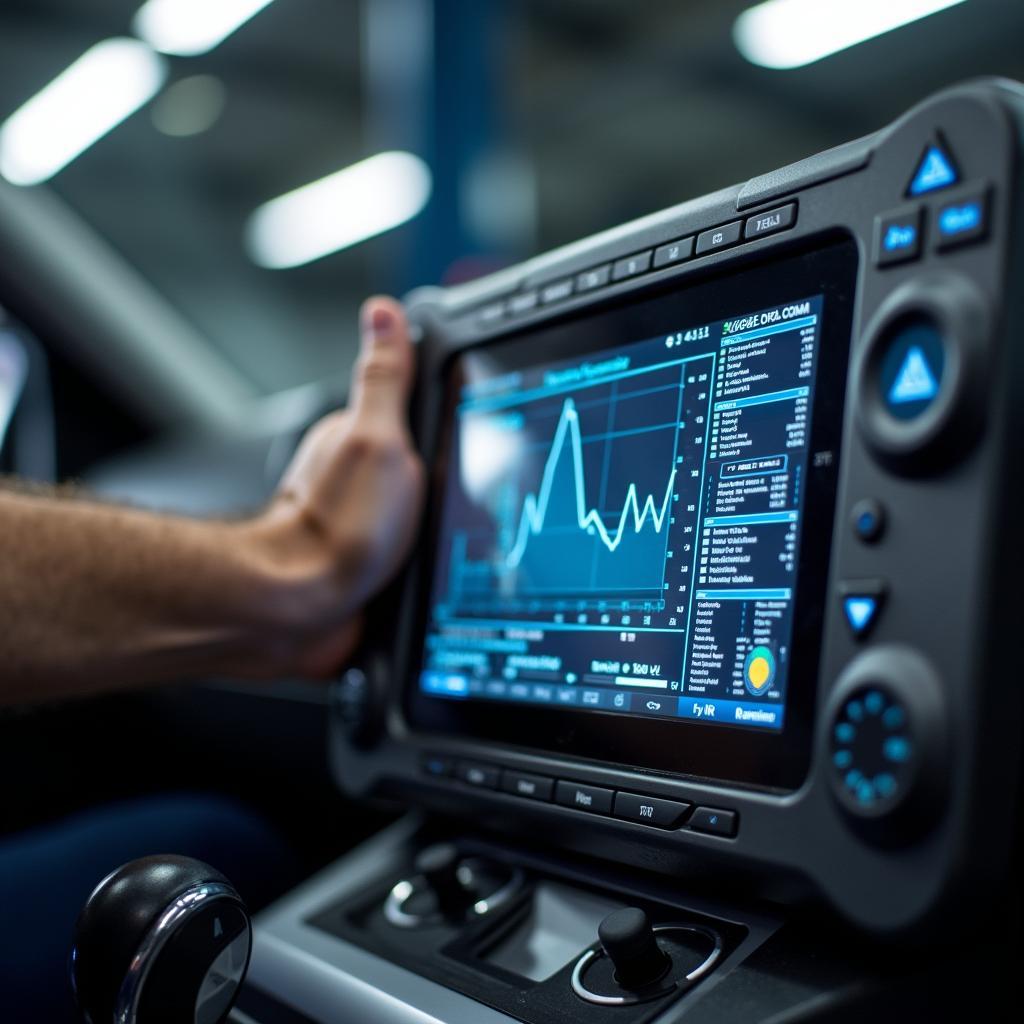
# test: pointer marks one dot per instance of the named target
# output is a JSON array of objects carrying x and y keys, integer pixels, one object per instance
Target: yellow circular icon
[{"x": 759, "y": 670}]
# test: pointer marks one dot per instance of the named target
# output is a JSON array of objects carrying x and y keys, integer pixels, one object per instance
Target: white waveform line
[{"x": 535, "y": 507}]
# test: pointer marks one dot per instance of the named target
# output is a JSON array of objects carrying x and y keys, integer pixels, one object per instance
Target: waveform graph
[{"x": 567, "y": 497}]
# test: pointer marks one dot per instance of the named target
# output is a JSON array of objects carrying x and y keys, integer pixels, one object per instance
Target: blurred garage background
[{"x": 163, "y": 345}]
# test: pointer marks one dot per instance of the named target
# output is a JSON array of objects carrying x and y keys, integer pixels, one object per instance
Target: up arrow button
[{"x": 934, "y": 171}]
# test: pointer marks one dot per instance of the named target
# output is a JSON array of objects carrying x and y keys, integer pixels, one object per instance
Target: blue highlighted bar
[
  {"x": 774, "y": 396},
  {"x": 764, "y": 332},
  {"x": 443, "y": 684},
  {"x": 761, "y": 517},
  {"x": 779, "y": 594},
  {"x": 731, "y": 712}
]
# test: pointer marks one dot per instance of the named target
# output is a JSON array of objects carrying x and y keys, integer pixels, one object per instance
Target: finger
[{"x": 384, "y": 370}]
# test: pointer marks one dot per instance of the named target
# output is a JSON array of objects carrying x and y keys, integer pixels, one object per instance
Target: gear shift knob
[{"x": 160, "y": 940}]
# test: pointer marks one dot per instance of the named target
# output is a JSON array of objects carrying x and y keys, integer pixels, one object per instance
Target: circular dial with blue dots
[{"x": 872, "y": 750}]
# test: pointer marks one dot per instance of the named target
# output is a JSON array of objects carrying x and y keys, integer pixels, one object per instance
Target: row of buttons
[
  {"x": 721, "y": 237},
  {"x": 959, "y": 221},
  {"x": 647, "y": 810}
]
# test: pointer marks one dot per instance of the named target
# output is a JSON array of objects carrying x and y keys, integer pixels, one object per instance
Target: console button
[
  {"x": 535, "y": 787},
  {"x": 962, "y": 220},
  {"x": 557, "y": 291},
  {"x": 934, "y": 171},
  {"x": 491, "y": 314},
  {"x": 867, "y": 520},
  {"x": 437, "y": 765},
  {"x": 485, "y": 776},
  {"x": 649, "y": 810},
  {"x": 631, "y": 265},
  {"x": 591, "y": 279},
  {"x": 910, "y": 367},
  {"x": 862, "y": 601},
  {"x": 674, "y": 252},
  {"x": 770, "y": 221},
  {"x": 584, "y": 798},
  {"x": 714, "y": 821},
  {"x": 898, "y": 237},
  {"x": 719, "y": 238},
  {"x": 522, "y": 303}
]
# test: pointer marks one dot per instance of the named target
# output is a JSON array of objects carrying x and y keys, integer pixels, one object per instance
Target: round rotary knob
[
  {"x": 161, "y": 940},
  {"x": 628, "y": 941}
]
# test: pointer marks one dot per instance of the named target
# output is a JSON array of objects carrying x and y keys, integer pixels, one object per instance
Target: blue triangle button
[
  {"x": 859, "y": 612},
  {"x": 935, "y": 171},
  {"x": 861, "y": 605},
  {"x": 915, "y": 381}
]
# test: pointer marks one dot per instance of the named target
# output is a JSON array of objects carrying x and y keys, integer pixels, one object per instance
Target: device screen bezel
[{"x": 776, "y": 759}]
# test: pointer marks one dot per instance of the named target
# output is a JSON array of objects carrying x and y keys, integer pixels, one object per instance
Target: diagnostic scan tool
[{"x": 717, "y": 580}]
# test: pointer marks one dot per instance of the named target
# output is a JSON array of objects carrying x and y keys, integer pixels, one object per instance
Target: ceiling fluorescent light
[
  {"x": 107, "y": 84},
  {"x": 339, "y": 211},
  {"x": 186, "y": 28},
  {"x": 792, "y": 33}
]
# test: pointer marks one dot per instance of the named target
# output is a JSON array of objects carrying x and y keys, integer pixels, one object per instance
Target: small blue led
[
  {"x": 855, "y": 711},
  {"x": 874, "y": 702},
  {"x": 896, "y": 749},
  {"x": 842, "y": 759},
  {"x": 885, "y": 785},
  {"x": 865, "y": 792},
  {"x": 845, "y": 732}
]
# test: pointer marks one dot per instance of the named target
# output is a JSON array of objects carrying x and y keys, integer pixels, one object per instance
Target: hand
[{"x": 349, "y": 504}]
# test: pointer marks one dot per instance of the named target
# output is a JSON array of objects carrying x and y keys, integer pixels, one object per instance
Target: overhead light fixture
[
  {"x": 339, "y": 211},
  {"x": 792, "y": 33},
  {"x": 186, "y": 28},
  {"x": 107, "y": 84}
]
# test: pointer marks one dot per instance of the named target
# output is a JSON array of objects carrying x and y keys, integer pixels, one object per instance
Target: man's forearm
[{"x": 94, "y": 596}]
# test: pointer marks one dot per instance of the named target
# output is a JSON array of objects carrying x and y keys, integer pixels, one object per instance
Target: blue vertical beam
[{"x": 431, "y": 78}]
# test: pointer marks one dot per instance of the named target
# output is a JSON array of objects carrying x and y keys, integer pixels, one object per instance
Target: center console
[{"x": 707, "y": 627}]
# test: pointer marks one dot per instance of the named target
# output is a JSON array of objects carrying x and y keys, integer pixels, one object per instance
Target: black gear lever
[
  {"x": 160, "y": 941},
  {"x": 629, "y": 942}
]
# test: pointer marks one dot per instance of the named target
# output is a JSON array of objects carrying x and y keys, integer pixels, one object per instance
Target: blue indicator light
[
  {"x": 842, "y": 759},
  {"x": 915, "y": 381},
  {"x": 866, "y": 523},
  {"x": 860, "y": 611},
  {"x": 874, "y": 702},
  {"x": 900, "y": 237},
  {"x": 885, "y": 784},
  {"x": 855, "y": 711},
  {"x": 956, "y": 220},
  {"x": 853, "y": 778},
  {"x": 865, "y": 792},
  {"x": 845, "y": 732},
  {"x": 935, "y": 171},
  {"x": 896, "y": 749},
  {"x": 894, "y": 718}
]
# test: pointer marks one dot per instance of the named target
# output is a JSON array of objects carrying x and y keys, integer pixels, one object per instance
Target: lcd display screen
[{"x": 622, "y": 525}]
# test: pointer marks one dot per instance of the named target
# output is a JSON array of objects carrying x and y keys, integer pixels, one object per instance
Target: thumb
[{"x": 384, "y": 369}]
